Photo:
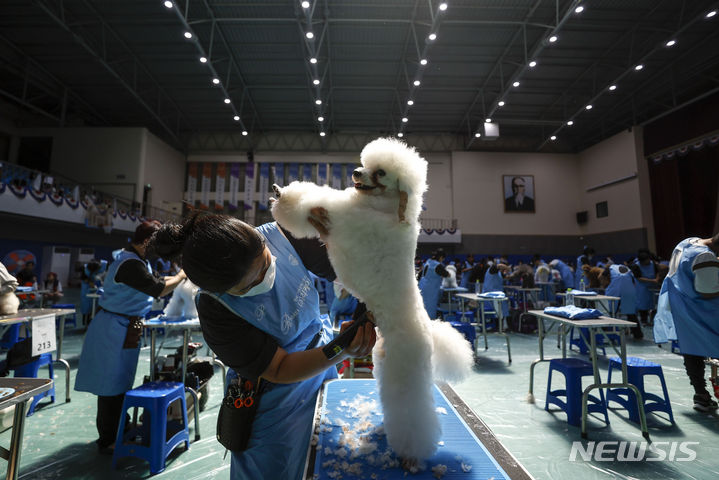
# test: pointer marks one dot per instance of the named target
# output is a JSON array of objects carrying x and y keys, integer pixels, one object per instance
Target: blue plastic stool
[
  {"x": 164, "y": 436},
  {"x": 573, "y": 370},
  {"x": 29, "y": 370},
  {"x": 11, "y": 337},
  {"x": 637, "y": 369},
  {"x": 466, "y": 329},
  {"x": 74, "y": 315},
  {"x": 579, "y": 342}
]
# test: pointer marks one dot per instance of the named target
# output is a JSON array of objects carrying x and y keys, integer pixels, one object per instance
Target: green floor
[{"x": 59, "y": 438}]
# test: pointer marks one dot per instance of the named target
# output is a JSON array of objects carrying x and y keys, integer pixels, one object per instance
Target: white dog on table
[{"x": 371, "y": 232}]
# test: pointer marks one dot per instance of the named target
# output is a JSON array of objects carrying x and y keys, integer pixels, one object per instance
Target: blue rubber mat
[{"x": 351, "y": 409}]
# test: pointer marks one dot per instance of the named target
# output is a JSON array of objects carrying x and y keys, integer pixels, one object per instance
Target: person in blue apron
[
  {"x": 688, "y": 309},
  {"x": 108, "y": 361},
  {"x": 494, "y": 282},
  {"x": 89, "y": 282},
  {"x": 430, "y": 282},
  {"x": 620, "y": 282},
  {"x": 566, "y": 272},
  {"x": 647, "y": 275},
  {"x": 259, "y": 312},
  {"x": 467, "y": 267}
]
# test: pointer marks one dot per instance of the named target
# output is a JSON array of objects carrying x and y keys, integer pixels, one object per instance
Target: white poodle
[
  {"x": 182, "y": 302},
  {"x": 371, "y": 231},
  {"x": 9, "y": 302},
  {"x": 451, "y": 281}
]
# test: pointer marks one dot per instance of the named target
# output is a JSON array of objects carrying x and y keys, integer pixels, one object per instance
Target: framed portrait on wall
[{"x": 518, "y": 193}]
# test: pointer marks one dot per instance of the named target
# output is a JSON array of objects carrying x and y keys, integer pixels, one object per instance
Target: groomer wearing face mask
[
  {"x": 259, "y": 312},
  {"x": 112, "y": 345}
]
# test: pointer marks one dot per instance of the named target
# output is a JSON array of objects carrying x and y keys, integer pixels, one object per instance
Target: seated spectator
[{"x": 53, "y": 287}]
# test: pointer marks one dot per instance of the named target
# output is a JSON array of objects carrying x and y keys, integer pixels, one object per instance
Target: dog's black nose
[{"x": 357, "y": 173}]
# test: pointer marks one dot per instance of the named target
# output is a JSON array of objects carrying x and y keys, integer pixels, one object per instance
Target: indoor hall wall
[
  {"x": 629, "y": 201},
  {"x": 272, "y": 157},
  {"x": 163, "y": 167},
  {"x": 107, "y": 158}
]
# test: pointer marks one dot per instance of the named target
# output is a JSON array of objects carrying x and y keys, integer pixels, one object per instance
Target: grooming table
[{"x": 467, "y": 447}]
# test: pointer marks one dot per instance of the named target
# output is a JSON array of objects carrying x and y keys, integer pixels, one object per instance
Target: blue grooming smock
[
  {"x": 645, "y": 298},
  {"x": 464, "y": 282},
  {"x": 567, "y": 275},
  {"x": 290, "y": 313},
  {"x": 494, "y": 283},
  {"x": 105, "y": 367},
  {"x": 88, "y": 285},
  {"x": 622, "y": 285},
  {"x": 682, "y": 313},
  {"x": 429, "y": 287}
]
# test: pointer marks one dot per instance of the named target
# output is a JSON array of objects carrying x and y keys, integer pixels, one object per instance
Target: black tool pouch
[
  {"x": 237, "y": 413},
  {"x": 134, "y": 333}
]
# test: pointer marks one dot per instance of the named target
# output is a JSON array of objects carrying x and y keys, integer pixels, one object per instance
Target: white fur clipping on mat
[
  {"x": 9, "y": 303},
  {"x": 452, "y": 356},
  {"x": 182, "y": 302}
]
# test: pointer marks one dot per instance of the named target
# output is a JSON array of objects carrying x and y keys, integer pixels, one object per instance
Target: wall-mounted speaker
[{"x": 582, "y": 217}]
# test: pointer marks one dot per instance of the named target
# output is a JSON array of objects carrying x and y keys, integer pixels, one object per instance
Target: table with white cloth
[
  {"x": 27, "y": 316},
  {"x": 17, "y": 391},
  {"x": 595, "y": 326},
  {"x": 351, "y": 409},
  {"x": 481, "y": 325}
]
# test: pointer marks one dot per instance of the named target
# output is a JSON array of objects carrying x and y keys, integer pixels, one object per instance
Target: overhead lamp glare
[
  {"x": 305, "y": 4},
  {"x": 638, "y": 67},
  {"x": 711, "y": 14},
  {"x": 553, "y": 39},
  {"x": 487, "y": 120},
  {"x": 432, "y": 37},
  {"x": 443, "y": 6},
  {"x": 500, "y": 103},
  {"x": 318, "y": 102},
  {"x": 553, "y": 137},
  {"x": 410, "y": 102},
  {"x": 579, "y": 9},
  {"x": 532, "y": 64},
  {"x": 313, "y": 60},
  {"x": 416, "y": 83},
  {"x": 612, "y": 87},
  {"x": 244, "y": 133},
  {"x": 168, "y": 4},
  {"x": 588, "y": 107},
  {"x": 570, "y": 123},
  {"x": 322, "y": 134},
  {"x": 423, "y": 61},
  {"x": 316, "y": 81},
  {"x": 400, "y": 134},
  {"x": 405, "y": 119},
  {"x": 216, "y": 81},
  {"x": 320, "y": 119},
  {"x": 188, "y": 35},
  {"x": 227, "y": 100},
  {"x": 310, "y": 35},
  {"x": 477, "y": 135},
  {"x": 203, "y": 59},
  {"x": 515, "y": 84},
  {"x": 236, "y": 118},
  {"x": 670, "y": 43}
]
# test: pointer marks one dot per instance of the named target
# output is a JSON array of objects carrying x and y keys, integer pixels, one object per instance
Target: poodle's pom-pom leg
[
  {"x": 294, "y": 205},
  {"x": 452, "y": 355},
  {"x": 9, "y": 303},
  {"x": 378, "y": 355}
]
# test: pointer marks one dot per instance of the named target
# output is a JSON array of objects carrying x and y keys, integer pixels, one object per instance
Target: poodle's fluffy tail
[{"x": 452, "y": 355}]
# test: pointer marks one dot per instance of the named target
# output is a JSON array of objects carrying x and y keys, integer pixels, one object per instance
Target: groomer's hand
[
  {"x": 363, "y": 342},
  {"x": 320, "y": 219}
]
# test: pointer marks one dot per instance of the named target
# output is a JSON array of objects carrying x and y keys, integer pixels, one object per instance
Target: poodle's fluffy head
[{"x": 389, "y": 166}]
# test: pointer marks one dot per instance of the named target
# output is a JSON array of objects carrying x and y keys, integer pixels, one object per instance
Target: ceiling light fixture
[
  {"x": 432, "y": 37},
  {"x": 400, "y": 134},
  {"x": 515, "y": 84},
  {"x": 416, "y": 83},
  {"x": 443, "y": 6},
  {"x": 477, "y": 135},
  {"x": 203, "y": 59},
  {"x": 405, "y": 119},
  {"x": 188, "y": 35},
  {"x": 305, "y": 4},
  {"x": 553, "y": 39},
  {"x": 487, "y": 120},
  {"x": 313, "y": 60},
  {"x": 532, "y": 64},
  {"x": 216, "y": 81},
  {"x": 316, "y": 81},
  {"x": 579, "y": 9},
  {"x": 410, "y": 102},
  {"x": 168, "y": 4},
  {"x": 318, "y": 102},
  {"x": 612, "y": 87},
  {"x": 500, "y": 103},
  {"x": 553, "y": 137},
  {"x": 638, "y": 67},
  {"x": 423, "y": 61},
  {"x": 570, "y": 123},
  {"x": 670, "y": 43},
  {"x": 322, "y": 134},
  {"x": 310, "y": 35},
  {"x": 236, "y": 118},
  {"x": 588, "y": 107},
  {"x": 711, "y": 14},
  {"x": 244, "y": 133},
  {"x": 320, "y": 119},
  {"x": 227, "y": 100}
]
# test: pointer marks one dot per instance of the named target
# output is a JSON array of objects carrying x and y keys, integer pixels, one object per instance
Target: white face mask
[{"x": 267, "y": 283}]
